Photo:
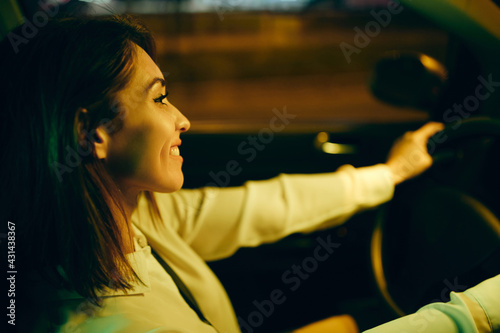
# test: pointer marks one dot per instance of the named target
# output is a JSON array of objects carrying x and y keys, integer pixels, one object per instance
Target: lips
[{"x": 174, "y": 149}]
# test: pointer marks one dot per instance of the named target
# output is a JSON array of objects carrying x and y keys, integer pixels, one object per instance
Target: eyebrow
[{"x": 155, "y": 80}]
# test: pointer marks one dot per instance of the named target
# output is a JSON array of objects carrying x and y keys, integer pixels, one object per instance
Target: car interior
[{"x": 308, "y": 86}]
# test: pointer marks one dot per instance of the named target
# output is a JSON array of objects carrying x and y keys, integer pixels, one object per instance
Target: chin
[{"x": 172, "y": 186}]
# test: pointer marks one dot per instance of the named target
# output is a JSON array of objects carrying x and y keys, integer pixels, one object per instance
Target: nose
[{"x": 182, "y": 123}]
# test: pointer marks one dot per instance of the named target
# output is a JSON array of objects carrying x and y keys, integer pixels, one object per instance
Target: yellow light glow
[
  {"x": 433, "y": 65},
  {"x": 322, "y": 137},
  {"x": 337, "y": 148}
]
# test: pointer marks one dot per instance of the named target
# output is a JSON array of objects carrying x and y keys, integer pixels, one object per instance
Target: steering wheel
[{"x": 441, "y": 232}]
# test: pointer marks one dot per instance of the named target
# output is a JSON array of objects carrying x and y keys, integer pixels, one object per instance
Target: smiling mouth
[{"x": 175, "y": 151}]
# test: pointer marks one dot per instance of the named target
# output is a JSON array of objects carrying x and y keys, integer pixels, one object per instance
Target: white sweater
[{"x": 212, "y": 223}]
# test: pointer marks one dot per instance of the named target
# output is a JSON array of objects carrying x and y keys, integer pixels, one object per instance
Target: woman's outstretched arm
[
  {"x": 215, "y": 222},
  {"x": 477, "y": 310}
]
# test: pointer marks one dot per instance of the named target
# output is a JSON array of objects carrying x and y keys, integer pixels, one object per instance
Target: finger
[{"x": 428, "y": 130}]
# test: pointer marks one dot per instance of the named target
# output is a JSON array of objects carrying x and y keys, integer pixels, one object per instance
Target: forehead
[{"x": 145, "y": 69}]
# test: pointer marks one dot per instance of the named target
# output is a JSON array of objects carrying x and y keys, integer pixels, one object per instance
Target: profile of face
[{"x": 144, "y": 153}]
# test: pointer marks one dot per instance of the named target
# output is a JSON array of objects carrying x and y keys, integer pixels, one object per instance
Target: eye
[{"x": 161, "y": 98}]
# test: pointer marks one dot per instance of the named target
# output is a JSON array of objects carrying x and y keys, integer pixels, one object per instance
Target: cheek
[
  {"x": 127, "y": 155},
  {"x": 152, "y": 153},
  {"x": 160, "y": 138},
  {"x": 140, "y": 152}
]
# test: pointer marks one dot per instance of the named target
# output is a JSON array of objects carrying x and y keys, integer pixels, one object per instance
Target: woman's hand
[{"x": 408, "y": 156}]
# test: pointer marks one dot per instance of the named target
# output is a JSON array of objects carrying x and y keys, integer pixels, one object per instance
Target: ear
[
  {"x": 97, "y": 138},
  {"x": 101, "y": 143}
]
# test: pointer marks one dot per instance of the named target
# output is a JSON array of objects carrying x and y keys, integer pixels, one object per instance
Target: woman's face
[{"x": 144, "y": 153}]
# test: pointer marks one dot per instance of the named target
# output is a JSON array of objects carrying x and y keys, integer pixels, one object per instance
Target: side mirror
[{"x": 408, "y": 79}]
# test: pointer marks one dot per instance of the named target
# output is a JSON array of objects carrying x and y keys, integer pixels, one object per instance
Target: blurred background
[{"x": 230, "y": 62}]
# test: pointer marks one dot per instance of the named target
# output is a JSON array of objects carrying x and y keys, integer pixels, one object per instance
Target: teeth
[{"x": 174, "y": 151}]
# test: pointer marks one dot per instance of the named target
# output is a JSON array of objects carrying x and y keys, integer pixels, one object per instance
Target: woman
[{"x": 91, "y": 166}]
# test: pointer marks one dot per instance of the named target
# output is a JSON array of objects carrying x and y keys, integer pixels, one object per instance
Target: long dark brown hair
[{"x": 58, "y": 86}]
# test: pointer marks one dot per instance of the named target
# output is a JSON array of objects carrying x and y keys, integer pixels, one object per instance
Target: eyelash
[{"x": 161, "y": 98}]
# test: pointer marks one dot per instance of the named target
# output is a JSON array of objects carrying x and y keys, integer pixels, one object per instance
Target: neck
[{"x": 129, "y": 203}]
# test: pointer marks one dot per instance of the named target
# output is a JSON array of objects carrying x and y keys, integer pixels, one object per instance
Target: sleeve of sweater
[
  {"x": 215, "y": 222},
  {"x": 477, "y": 310}
]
